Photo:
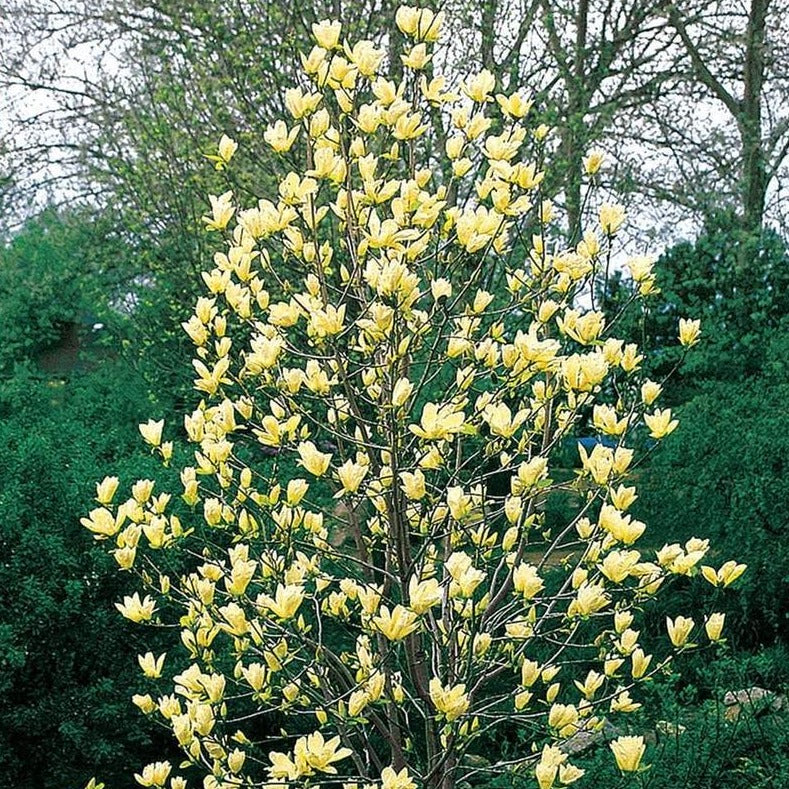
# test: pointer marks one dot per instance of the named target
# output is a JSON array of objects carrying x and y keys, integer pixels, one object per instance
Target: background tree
[
  {"x": 67, "y": 667},
  {"x": 723, "y": 127}
]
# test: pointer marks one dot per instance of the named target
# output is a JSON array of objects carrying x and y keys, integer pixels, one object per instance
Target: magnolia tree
[{"x": 391, "y": 352}]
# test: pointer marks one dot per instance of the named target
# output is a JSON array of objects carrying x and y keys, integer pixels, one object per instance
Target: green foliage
[
  {"x": 723, "y": 475},
  {"x": 737, "y": 284},
  {"x": 699, "y": 742},
  {"x": 68, "y": 661},
  {"x": 695, "y": 741},
  {"x": 60, "y": 270},
  {"x": 698, "y": 748}
]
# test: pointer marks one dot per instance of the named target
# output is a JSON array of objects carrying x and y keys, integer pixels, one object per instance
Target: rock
[
  {"x": 585, "y": 739},
  {"x": 755, "y": 699}
]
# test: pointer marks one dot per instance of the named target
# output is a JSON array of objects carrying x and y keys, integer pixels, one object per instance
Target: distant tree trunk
[
  {"x": 758, "y": 154},
  {"x": 754, "y": 166},
  {"x": 575, "y": 135}
]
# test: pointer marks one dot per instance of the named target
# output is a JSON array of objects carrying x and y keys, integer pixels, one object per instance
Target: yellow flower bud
[
  {"x": 679, "y": 630},
  {"x": 612, "y": 217},
  {"x": 628, "y": 752},
  {"x": 689, "y": 332},
  {"x": 714, "y": 626}
]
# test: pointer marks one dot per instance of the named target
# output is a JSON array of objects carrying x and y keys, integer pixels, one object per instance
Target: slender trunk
[{"x": 444, "y": 778}]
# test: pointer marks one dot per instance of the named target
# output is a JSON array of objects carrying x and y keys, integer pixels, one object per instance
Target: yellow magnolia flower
[
  {"x": 401, "y": 392},
  {"x": 419, "y": 23},
  {"x": 660, "y": 423},
  {"x": 547, "y": 769},
  {"x": 461, "y": 167},
  {"x": 313, "y": 62},
  {"x": 714, "y": 626},
  {"x": 286, "y": 602},
  {"x": 622, "y": 620},
  {"x": 222, "y": 209},
  {"x": 607, "y": 420},
  {"x": 423, "y": 595},
  {"x": 623, "y": 703},
  {"x": 393, "y": 780},
  {"x": 584, "y": 372},
  {"x": 317, "y": 463},
  {"x": 417, "y": 58},
  {"x": 102, "y": 523},
  {"x": 631, "y": 358},
  {"x": 479, "y": 87},
  {"x": 618, "y": 565},
  {"x": 590, "y": 598},
  {"x": 641, "y": 267},
  {"x": 413, "y": 484},
  {"x": 650, "y": 391},
  {"x": 584, "y": 328},
  {"x": 465, "y": 577},
  {"x": 318, "y": 753},
  {"x": 591, "y": 684},
  {"x": 241, "y": 574},
  {"x": 154, "y": 774},
  {"x": 105, "y": 490},
  {"x": 351, "y": 474},
  {"x": 593, "y": 161},
  {"x": 279, "y": 137},
  {"x": 365, "y": 57},
  {"x": 526, "y": 581},
  {"x": 514, "y": 105},
  {"x": 628, "y": 752},
  {"x": 327, "y": 33},
  {"x": 679, "y": 630},
  {"x": 728, "y": 573},
  {"x": 451, "y": 701},
  {"x": 621, "y": 527},
  {"x": 612, "y": 665},
  {"x": 145, "y": 703},
  {"x": 151, "y": 666},
  {"x": 438, "y": 423},
  {"x": 225, "y": 150},
  {"x": 689, "y": 332},
  {"x": 235, "y": 760},
  {"x": 151, "y": 432},
  {"x": 409, "y": 126},
  {"x": 640, "y": 663},
  {"x": 227, "y": 147},
  {"x": 563, "y": 718},
  {"x": 433, "y": 91},
  {"x": 628, "y": 641},
  {"x": 501, "y": 420},
  {"x": 396, "y": 625},
  {"x": 569, "y": 773},
  {"x": 622, "y": 497},
  {"x": 135, "y": 609},
  {"x": 301, "y": 104},
  {"x": 612, "y": 216},
  {"x": 530, "y": 672}
]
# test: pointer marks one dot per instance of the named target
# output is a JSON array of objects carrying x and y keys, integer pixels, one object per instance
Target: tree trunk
[{"x": 754, "y": 169}]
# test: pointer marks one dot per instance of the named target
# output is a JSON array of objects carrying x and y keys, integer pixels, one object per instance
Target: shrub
[
  {"x": 67, "y": 662},
  {"x": 725, "y": 472}
]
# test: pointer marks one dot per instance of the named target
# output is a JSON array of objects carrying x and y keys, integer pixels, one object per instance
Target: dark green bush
[
  {"x": 724, "y": 474},
  {"x": 67, "y": 660}
]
